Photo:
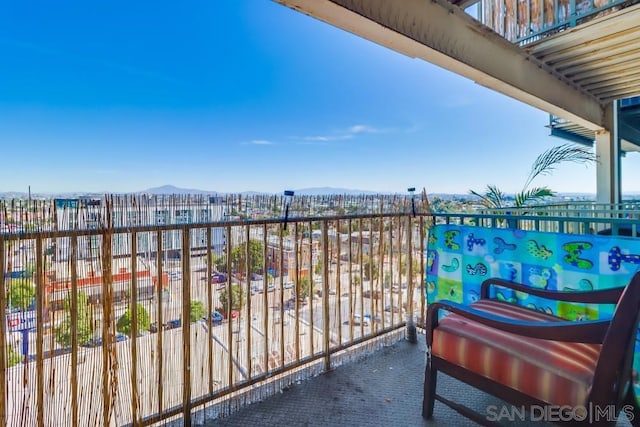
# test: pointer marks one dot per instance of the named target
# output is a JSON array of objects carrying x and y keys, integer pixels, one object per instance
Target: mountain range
[{"x": 172, "y": 189}]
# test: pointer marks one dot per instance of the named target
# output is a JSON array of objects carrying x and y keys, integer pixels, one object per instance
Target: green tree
[
  {"x": 357, "y": 280},
  {"x": 256, "y": 257},
  {"x": 197, "y": 311},
  {"x": 30, "y": 270},
  {"x": 21, "y": 293},
  {"x": 415, "y": 267},
  {"x": 237, "y": 298},
  {"x": 343, "y": 228},
  {"x": 318, "y": 268},
  {"x": 124, "y": 322},
  {"x": 387, "y": 279},
  {"x": 219, "y": 262},
  {"x": 544, "y": 164},
  {"x": 370, "y": 269},
  {"x": 13, "y": 357},
  {"x": 84, "y": 321},
  {"x": 305, "y": 287}
]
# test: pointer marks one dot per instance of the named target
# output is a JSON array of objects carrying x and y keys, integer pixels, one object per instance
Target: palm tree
[{"x": 544, "y": 164}]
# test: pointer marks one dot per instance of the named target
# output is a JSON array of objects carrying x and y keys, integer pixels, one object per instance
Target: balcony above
[{"x": 594, "y": 45}]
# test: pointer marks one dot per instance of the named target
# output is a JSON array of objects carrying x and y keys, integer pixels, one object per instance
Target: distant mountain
[
  {"x": 315, "y": 191},
  {"x": 325, "y": 191},
  {"x": 14, "y": 195},
  {"x": 254, "y": 193},
  {"x": 172, "y": 189}
]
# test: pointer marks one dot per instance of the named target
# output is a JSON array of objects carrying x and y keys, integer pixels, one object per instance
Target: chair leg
[
  {"x": 631, "y": 400},
  {"x": 430, "y": 377}
]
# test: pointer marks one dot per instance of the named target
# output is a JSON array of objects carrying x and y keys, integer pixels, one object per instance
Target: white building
[{"x": 127, "y": 212}]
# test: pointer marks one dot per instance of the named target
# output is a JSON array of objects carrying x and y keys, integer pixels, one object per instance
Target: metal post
[
  {"x": 325, "y": 293},
  {"x": 186, "y": 327},
  {"x": 412, "y": 333},
  {"x": 3, "y": 335}
]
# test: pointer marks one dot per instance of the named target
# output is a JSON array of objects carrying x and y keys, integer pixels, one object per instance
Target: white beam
[
  {"x": 443, "y": 34},
  {"x": 608, "y": 166}
]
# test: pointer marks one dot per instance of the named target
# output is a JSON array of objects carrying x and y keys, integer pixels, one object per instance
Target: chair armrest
[
  {"x": 601, "y": 296},
  {"x": 591, "y": 331}
]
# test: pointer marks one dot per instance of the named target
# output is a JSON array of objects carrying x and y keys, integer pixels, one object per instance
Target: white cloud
[
  {"x": 326, "y": 138},
  {"x": 362, "y": 129},
  {"x": 343, "y": 135},
  {"x": 316, "y": 138},
  {"x": 261, "y": 142}
]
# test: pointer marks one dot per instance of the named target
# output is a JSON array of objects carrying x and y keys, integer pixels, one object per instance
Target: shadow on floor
[{"x": 384, "y": 389}]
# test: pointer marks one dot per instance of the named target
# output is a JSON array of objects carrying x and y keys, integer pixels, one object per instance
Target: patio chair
[{"x": 536, "y": 360}]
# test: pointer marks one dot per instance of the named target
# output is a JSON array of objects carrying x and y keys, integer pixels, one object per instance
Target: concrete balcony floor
[{"x": 384, "y": 389}]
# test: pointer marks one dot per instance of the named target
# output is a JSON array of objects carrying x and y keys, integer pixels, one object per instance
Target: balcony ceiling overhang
[
  {"x": 573, "y": 74},
  {"x": 601, "y": 56}
]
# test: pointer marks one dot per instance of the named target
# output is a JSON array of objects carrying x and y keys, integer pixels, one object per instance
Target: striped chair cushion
[{"x": 555, "y": 372}]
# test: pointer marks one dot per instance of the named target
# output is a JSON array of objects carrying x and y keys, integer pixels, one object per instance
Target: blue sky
[{"x": 231, "y": 96}]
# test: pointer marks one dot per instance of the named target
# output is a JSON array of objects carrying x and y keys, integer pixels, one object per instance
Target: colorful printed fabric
[{"x": 460, "y": 258}]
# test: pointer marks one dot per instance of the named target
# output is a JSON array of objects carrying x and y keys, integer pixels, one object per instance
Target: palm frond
[
  {"x": 546, "y": 162},
  {"x": 532, "y": 195},
  {"x": 492, "y": 198}
]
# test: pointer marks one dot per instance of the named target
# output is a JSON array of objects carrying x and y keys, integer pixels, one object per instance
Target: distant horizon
[{"x": 169, "y": 189}]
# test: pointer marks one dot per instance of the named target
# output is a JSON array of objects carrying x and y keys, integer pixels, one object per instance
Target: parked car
[
  {"x": 216, "y": 317},
  {"x": 174, "y": 275},
  {"x": 57, "y": 352},
  {"x": 375, "y": 319},
  {"x": 97, "y": 341},
  {"x": 358, "y": 320},
  {"x": 289, "y": 285},
  {"x": 92, "y": 342},
  {"x": 396, "y": 309},
  {"x": 173, "y": 324},
  {"x": 218, "y": 277},
  {"x": 375, "y": 294}
]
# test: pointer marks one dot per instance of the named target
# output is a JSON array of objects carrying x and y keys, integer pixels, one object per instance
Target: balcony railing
[
  {"x": 525, "y": 21},
  {"x": 133, "y": 324},
  {"x": 136, "y": 324}
]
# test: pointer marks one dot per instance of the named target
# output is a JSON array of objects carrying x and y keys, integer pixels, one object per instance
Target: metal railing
[
  {"x": 526, "y": 21},
  {"x": 106, "y": 326},
  {"x": 577, "y": 217},
  {"x": 102, "y": 332}
]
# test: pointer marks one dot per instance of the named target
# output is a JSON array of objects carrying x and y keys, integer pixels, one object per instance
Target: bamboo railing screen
[{"x": 518, "y": 20}]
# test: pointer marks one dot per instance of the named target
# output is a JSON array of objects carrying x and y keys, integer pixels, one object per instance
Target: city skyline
[{"x": 248, "y": 96}]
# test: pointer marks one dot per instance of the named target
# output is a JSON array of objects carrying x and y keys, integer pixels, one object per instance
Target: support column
[{"x": 608, "y": 166}]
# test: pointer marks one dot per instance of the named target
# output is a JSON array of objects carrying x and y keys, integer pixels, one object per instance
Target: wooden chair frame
[{"x": 612, "y": 381}]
